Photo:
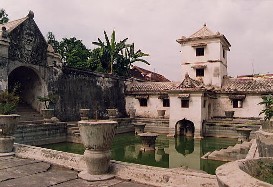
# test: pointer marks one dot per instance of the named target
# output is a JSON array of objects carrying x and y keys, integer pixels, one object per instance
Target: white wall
[
  {"x": 150, "y": 111},
  {"x": 250, "y": 106},
  {"x": 193, "y": 113},
  {"x": 213, "y": 73}
]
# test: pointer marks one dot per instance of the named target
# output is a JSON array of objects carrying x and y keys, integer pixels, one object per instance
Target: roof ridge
[
  {"x": 13, "y": 24},
  {"x": 204, "y": 31}
]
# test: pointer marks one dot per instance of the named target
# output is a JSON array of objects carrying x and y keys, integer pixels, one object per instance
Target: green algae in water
[{"x": 181, "y": 151}]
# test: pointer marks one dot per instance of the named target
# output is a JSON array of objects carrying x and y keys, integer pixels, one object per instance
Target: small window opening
[
  {"x": 200, "y": 51},
  {"x": 185, "y": 103},
  {"x": 143, "y": 102},
  {"x": 166, "y": 102},
  {"x": 200, "y": 72}
]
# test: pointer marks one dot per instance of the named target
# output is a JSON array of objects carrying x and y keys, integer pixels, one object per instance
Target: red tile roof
[{"x": 146, "y": 75}]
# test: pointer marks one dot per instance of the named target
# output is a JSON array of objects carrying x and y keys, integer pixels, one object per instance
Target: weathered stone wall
[
  {"x": 83, "y": 89},
  {"x": 40, "y": 134}
]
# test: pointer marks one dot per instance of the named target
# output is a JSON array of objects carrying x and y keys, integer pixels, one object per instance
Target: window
[
  {"x": 143, "y": 102},
  {"x": 200, "y": 51},
  {"x": 237, "y": 103},
  {"x": 166, "y": 102},
  {"x": 185, "y": 103},
  {"x": 224, "y": 53},
  {"x": 200, "y": 72}
]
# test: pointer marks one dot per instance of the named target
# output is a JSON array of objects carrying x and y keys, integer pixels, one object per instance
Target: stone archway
[
  {"x": 28, "y": 83},
  {"x": 185, "y": 127}
]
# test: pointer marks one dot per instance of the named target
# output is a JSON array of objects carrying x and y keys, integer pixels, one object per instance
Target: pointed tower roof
[{"x": 204, "y": 33}]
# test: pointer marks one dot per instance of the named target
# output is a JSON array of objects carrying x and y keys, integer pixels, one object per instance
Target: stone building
[
  {"x": 206, "y": 91},
  {"x": 27, "y": 61}
]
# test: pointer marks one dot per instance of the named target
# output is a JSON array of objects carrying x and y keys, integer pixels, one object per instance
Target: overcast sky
[{"x": 154, "y": 26}]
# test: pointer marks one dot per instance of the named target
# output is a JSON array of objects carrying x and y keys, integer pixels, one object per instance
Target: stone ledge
[{"x": 140, "y": 173}]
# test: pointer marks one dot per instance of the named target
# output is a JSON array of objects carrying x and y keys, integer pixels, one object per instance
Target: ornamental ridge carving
[{"x": 28, "y": 44}]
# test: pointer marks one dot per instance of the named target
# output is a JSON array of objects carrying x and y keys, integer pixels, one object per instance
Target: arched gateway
[
  {"x": 184, "y": 127},
  {"x": 27, "y": 61},
  {"x": 28, "y": 85}
]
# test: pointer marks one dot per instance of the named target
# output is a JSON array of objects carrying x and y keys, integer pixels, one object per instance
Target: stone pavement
[{"x": 18, "y": 172}]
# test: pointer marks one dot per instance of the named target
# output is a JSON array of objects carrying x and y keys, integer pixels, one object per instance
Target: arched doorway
[
  {"x": 185, "y": 128},
  {"x": 28, "y": 84}
]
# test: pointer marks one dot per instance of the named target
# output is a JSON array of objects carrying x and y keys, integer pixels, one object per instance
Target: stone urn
[
  {"x": 8, "y": 124},
  {"x": 161, "y": 113},
  {"x": 139, "y": 128},
  {"x": 229, "y": 114},
  {"x": 84, "y": 113},
  {"x": 112, "y": 113},
  {"x": 47, "y": 114},
  {"x": 148, "y": 141},
  {"x": 97, "y": 137},
  {"x": 132, "y": 112}
]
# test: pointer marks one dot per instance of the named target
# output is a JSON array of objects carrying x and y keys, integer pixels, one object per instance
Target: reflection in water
[
  {"x": 169, "y": 152},
  {"x": 184, "y": 144}
]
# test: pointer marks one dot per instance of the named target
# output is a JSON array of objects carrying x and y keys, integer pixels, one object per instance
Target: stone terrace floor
[{"x": 15, "y": 172}]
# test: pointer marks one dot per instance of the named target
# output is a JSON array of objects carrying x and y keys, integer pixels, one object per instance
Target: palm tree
[
  {"x": 133, "y": 56},
  {"x": 268, "y": 110},
  {"x": 111, "y": 47}
]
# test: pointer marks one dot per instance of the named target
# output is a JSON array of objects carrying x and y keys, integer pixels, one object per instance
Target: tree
[
  {"x": 112, "y": 48},
  {"x": 268, "y": 107},
  {"x": 3, "y": 16},
  {"x": 117, "y": 57},
  {"x": 74, "y": 53}
]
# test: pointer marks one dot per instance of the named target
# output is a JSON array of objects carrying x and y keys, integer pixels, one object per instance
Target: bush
[{"x": 8, "y": 102}]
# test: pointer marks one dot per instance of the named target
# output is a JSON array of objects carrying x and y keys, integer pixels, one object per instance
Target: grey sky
[{"x": 154, "y": 26}]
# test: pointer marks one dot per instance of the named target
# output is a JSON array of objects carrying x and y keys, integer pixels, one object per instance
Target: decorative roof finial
[
  {"x": 30, "y": 14},
  {"x": 205, "y": 24}
]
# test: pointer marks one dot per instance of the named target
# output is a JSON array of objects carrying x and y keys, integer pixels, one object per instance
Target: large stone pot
[
  {"x": 47, "y": 114},
  {"x": 264, "y": 143},
  {"x": 112, "y": 113},
  {"x": 97, "y": 137},
  {"x": 229, "y": 114},
  {"x": 8, "y": 124},
  {"x": 132, "y": 112},
  {"x": 84, "y": 113},
  {"x": 161, "y": 113}
]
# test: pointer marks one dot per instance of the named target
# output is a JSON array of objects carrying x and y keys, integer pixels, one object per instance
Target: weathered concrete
[
  {"x": 84, "y": 89},
  {"x": 265, "y": 143},
  {"x": 41, "y": 133},
  {"x": 140, "y": 173},
  {"x": 16, "y": 172},
  {"x": 239, "y": 173}
]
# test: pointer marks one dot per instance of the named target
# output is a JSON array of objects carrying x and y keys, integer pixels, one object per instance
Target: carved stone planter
[
  {"x": 161, "y": 113},
  {"x": 84, "y": 113},
  {"x": 229, "y": 114},
  {"x": 112, "y": 113},
  {"x": 139, "y": 128},
  {"x": 47, "y": 114},
  {"x": 148, "y": 141},
  {"x": 132, "y": 113},
  {"x": 8, "y": 124},
  {"x": 264, "y": 143},
  {"x": 97, "y": 137}
]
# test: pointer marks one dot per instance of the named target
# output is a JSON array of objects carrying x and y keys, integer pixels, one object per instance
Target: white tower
[{"x": 204, "y": 56}]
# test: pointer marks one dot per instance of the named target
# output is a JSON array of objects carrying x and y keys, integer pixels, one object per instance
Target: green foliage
[
  {"x": 268, "y": 107},
  {"x": 8, "y": 102},
  {"x": 48, "y": 100},
  {"x": 109, "y": 57},
  {"x": 3, "y": 16},
  {"x": 74, "y": 52},
  {"x": 116, "y": 57}
]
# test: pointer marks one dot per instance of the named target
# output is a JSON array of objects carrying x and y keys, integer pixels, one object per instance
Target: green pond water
[{"x": 170, "y": 152}]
